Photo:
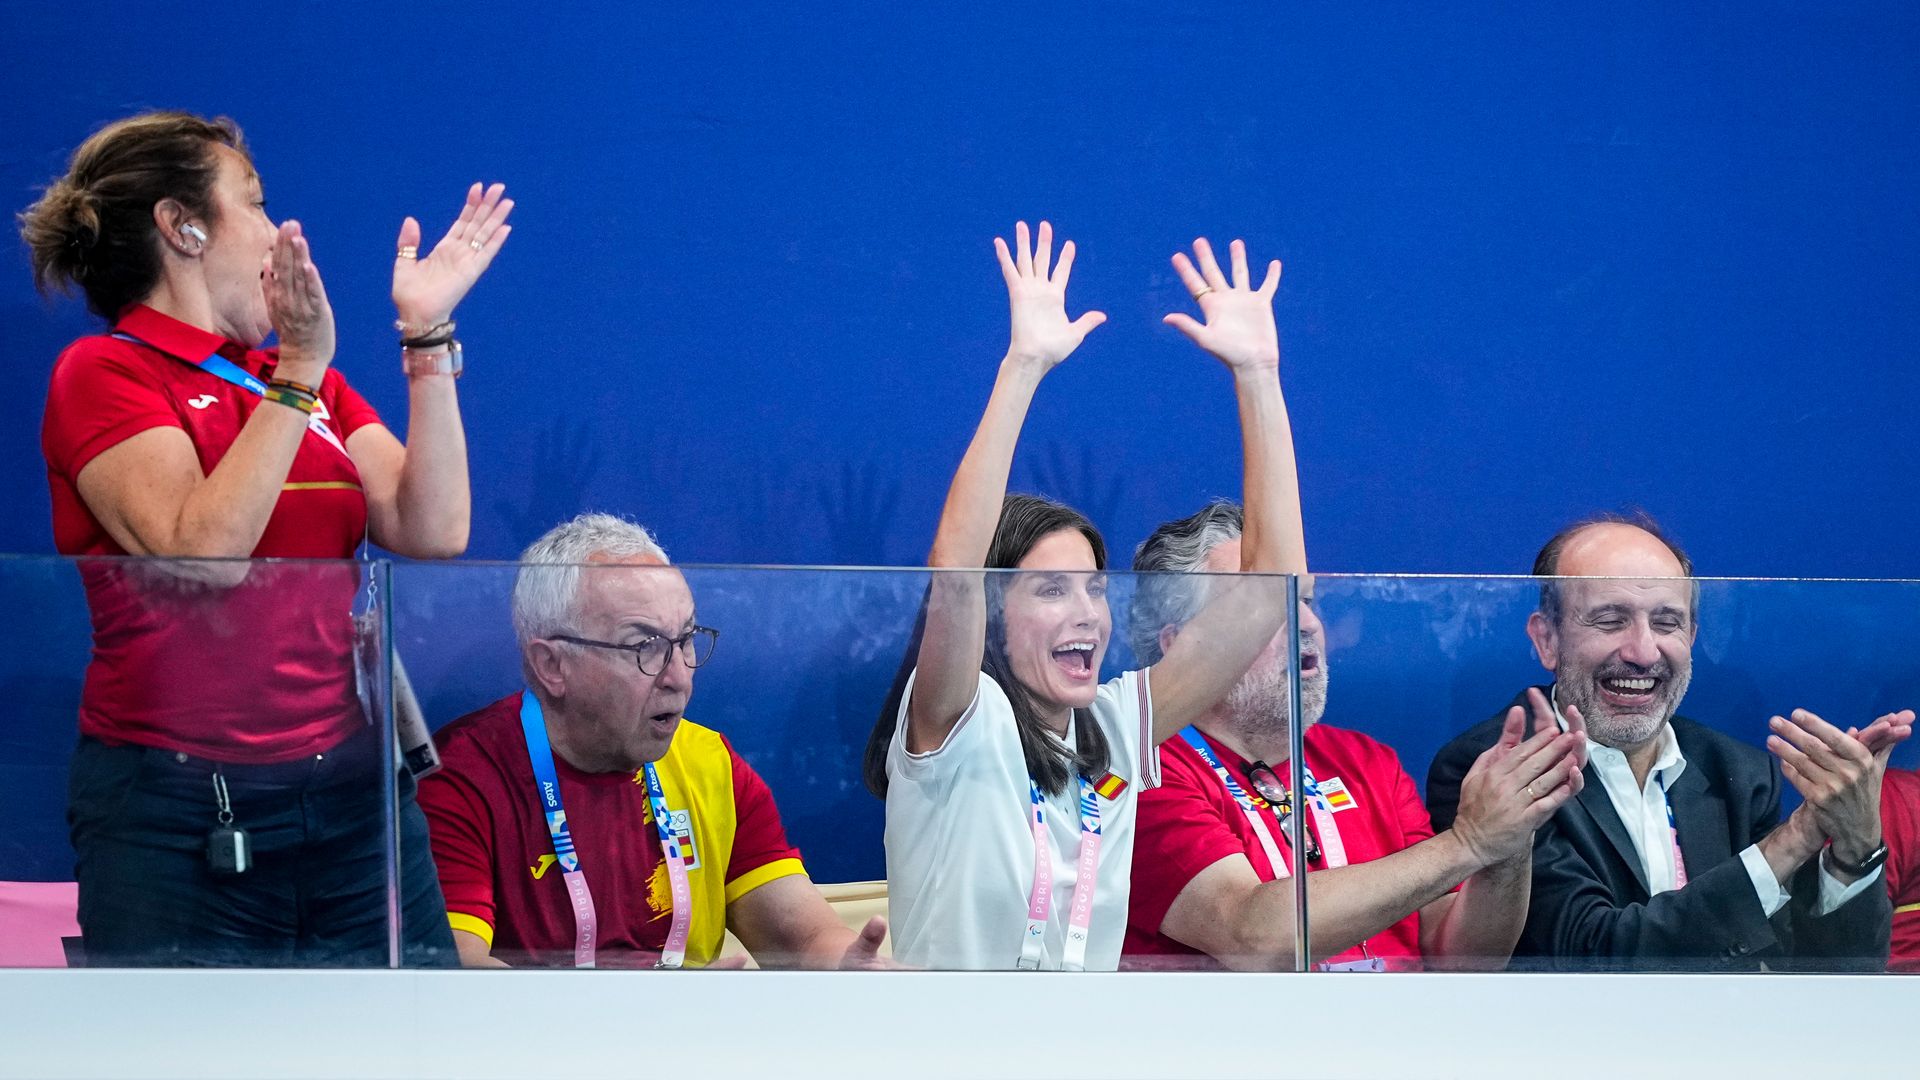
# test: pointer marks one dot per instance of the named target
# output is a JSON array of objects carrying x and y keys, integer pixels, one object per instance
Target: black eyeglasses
[
  {"x": 1267, "y": 784},
  {"x": 652, "y": 653}
]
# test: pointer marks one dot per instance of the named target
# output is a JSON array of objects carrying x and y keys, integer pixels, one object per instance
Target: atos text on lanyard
[{"x": 586, "y": 925}]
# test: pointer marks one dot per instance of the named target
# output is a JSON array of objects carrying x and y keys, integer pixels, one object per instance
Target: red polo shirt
[
  {"x": 1189, "y": 823},
  {"x": 260, "y": 672}
]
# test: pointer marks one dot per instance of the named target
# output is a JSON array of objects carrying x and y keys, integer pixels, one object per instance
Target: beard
[
  {"x": 1258, "y": 703},
  {"x": 1620, "y": 728}
]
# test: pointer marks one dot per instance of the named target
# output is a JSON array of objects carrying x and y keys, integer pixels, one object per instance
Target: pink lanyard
[
  {"x": 675, "y": 953},
  {"x": 1040, "y": 900},
  {"x": 1679, "y": 860},
  {"x": 1330, "y": 843}
]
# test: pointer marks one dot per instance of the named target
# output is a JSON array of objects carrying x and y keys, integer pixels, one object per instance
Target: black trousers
[{"x": 316, "y": 896}]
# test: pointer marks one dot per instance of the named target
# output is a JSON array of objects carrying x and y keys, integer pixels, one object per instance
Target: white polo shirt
[{"x": 960, "y": 842}]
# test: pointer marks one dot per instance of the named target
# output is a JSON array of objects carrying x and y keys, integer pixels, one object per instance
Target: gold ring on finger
[
  {"x": 475, "y": 244},
  {"x": 409, "y": 251},
  {"x": 1531, "y": 794},
  {"x": 1204, "y": 290}
]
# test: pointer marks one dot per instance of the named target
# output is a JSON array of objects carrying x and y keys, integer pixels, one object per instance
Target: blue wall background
[{"x": 1539, "y": 261}]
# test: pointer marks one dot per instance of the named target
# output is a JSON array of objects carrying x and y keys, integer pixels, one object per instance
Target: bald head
[
  {"x": 1608, "y": 545},
  {"x": 1614, "y": 549}
]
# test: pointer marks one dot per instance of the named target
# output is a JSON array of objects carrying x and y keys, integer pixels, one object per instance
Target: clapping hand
[
  {"x": 298, "y": 307},
  {"x": 1838, "y": 773},
  {"x": 1042, "y": 334},
  {"x": 1515, "y": 786},
  {"x": 426, "y": 290},
  {"x": 1239, "y": 327}
]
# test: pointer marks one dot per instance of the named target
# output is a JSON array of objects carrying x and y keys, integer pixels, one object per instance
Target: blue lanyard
[
  {"x": 215, "y": 365},
  {"x": 533, "y": 724},
  {"x": 1199, "y": 744},
  {"x": 586, "y": 924},
  {"x": 226, "y": 370}
]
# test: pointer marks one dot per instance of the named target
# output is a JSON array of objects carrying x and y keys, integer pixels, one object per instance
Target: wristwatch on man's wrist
[{"x": 1862, "y": 868}]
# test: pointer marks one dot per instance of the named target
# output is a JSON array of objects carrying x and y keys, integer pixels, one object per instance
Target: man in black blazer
[{"x": 1674, "y": 855}]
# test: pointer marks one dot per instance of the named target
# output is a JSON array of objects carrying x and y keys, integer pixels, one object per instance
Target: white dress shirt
[{"x": 1643, "y": 810}]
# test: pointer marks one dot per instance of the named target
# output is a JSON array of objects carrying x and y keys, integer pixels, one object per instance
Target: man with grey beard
[
  {"x": 1211, "y": 859},
  {"x": 1674, "y": 855}
]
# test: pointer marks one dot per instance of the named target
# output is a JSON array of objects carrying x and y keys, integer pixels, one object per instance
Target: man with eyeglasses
[
  {"x": 1212, "y": 864},
  {"x": 1675, "y": 856},
  {"x": 583, "y": 821}
]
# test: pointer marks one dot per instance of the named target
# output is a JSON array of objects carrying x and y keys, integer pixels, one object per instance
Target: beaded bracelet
[{"x": 291, "y": 398}]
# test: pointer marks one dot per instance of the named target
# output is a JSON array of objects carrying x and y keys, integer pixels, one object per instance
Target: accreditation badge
[{"x": 682, "y": 821}]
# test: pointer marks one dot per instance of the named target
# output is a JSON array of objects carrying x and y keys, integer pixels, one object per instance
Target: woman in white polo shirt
[{"x": 1010, "y": 772}]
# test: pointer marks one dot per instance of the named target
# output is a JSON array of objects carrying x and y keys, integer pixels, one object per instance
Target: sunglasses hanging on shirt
[{"x": 1266, "y": 783}]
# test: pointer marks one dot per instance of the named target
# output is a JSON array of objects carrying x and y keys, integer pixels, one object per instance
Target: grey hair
[
  {"x": 546, "y": 591},
  {"x": 1166, "y": 595}
]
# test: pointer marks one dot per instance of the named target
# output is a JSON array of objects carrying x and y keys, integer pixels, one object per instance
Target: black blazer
[{"x": 1591, "y": 908}]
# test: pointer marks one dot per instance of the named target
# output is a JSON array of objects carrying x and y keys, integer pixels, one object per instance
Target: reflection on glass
[
  {"x": 226, "y": 800},
  {"x": 1452, "y": 701}
]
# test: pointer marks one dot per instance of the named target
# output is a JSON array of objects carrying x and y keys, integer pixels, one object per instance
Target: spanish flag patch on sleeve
[{"x": 1109, "y": 787}]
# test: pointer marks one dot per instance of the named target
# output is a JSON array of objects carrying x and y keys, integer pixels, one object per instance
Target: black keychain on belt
[{"x": 227, "y": 848}]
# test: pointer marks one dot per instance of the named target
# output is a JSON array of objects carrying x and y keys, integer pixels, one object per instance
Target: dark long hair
[{"x": 1024, "y": 521}]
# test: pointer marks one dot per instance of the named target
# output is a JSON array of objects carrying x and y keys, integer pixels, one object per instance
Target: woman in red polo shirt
[{"x": 227, "y": 797}]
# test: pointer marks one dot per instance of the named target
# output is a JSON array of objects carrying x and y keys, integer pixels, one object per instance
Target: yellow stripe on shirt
[
  {"x": 760, "y": 875},
  {"x": 1905, "y": 908},
  {"x": 471, "y": 925},
  {"x": 321, "y": 485}
]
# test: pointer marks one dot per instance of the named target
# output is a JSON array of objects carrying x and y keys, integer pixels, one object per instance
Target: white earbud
[{"x": 194, "y": 231}]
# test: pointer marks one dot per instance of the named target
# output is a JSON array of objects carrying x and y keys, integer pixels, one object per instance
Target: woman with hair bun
[
  {"x": 1011, "y": 773},
  {"x": 227, "y": 798}
]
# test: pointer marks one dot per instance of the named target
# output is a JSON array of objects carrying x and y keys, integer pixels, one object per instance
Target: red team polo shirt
[
  {"x": 496, "y": 862},
  {"x": 1900, "y": 826},
  {"x": 1189, "y": 823},
  {"x": 261, "y": 672}
]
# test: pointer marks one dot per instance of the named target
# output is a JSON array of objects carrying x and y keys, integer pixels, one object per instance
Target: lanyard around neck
[
  {"x": 1673, "y": 831},
  {"x": 1040, "y": 899},
  {"x": 226, "y": 370},
  {"x": 533, "y": 725},
  {"x": 1329, "y": 832}
]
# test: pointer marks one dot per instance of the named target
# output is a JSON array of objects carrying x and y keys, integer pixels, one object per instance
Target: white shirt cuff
[
  {"x": 1766, "y": 887},
  {"x": 1833, "y": 894}
]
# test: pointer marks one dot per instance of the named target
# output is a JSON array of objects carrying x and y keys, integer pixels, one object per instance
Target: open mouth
[
  {"x": 1628, "y": 692},
  {"x": 664, "y": 721},
  {"x": 1309, "y": 662},
  {"x": 1075, "y": 660}
]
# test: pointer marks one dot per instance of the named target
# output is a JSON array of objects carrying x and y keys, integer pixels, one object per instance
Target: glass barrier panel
[
  {"x": 1678, "y": 684},
  {"x": 198, "y": 781},
  {"x": 764, "y": 704}
]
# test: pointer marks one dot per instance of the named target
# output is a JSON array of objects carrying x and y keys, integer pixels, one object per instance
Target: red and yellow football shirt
[{"x": 496, "y": 861}]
